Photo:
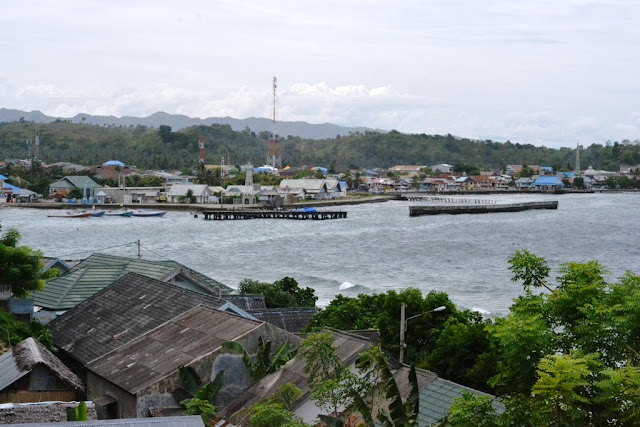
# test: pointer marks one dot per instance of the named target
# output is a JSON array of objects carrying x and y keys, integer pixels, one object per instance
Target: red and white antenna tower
[
  {"x": 201, "y": 145},
  {"x": 274, "y": 158}
]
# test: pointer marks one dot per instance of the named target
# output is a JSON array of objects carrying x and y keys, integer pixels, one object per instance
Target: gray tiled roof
[
  {"x": 437, "y": 397},
  {"x": 290, "y": 319},
  {"x": 130, "y": 307},
  {"x": 99, "y": 271},
  {"x": 160, "y": 352},
  {"x": 186, "y": 421}
]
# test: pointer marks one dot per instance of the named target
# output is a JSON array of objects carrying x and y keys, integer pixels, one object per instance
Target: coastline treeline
[{"x": 161, "y": 148}]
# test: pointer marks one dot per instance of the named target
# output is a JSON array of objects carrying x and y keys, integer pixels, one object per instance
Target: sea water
[{"x": 376, "y": 249}]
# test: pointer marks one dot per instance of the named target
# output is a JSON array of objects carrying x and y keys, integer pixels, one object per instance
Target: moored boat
[
  {"x": 97, "y": 214},
  {"x": 71, "y": 215},
  {"x": 126, "y": 213},
  {"x": 142, "y": 213}
]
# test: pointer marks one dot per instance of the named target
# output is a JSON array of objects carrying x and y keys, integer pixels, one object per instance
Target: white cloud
[{"x": 540, "y": 71}]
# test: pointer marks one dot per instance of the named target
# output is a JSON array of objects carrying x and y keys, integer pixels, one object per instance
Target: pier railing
[{"x": 471, "y": 209}]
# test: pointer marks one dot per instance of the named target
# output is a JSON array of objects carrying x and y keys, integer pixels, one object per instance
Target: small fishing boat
[
  {"x": 97, "y": 214},
  {"x": 71, "y": 215},
  {"x": 142, "y": 213},
  {"x": 120, "y": 212}
]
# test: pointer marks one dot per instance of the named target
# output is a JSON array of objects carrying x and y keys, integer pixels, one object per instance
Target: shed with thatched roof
[{"x": 29, "y": 372}]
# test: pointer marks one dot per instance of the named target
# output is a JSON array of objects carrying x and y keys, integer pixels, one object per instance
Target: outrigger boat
[
  {"x": 126, "y": 213},
  {"x": 71, "y": 215},
  {"x": 141, "y": 213}
]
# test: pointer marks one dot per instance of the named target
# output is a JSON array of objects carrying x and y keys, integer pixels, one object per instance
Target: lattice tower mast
[
  {"x": 36, "y": 147},
  {"x": 274, "y": 158},
  {"x": 578, "y": 158},
  {"x": 201, "y": 145}
]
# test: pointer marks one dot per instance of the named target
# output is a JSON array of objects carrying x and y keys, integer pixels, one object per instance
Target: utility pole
[
  {"x": 402, "y": 327},
  {"x": 139, "y": 256}
]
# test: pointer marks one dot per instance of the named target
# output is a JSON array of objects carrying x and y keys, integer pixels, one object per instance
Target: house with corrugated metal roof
[
  {"x": 29, "y": 372},
  {"x": 548, "y": 182},
  {"x": 69, "y": 183},
  {"x": 178, "y": 193},
  {"x": 132, "y": 337},
  {"x": 100, "y": 270}
]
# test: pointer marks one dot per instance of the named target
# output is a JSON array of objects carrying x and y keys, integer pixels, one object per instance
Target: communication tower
[
  {"x": 274, "y": 158},
  {"x": 36, "y": 147},
  {"x": 578, "y": 158},
  {"x": 222, "y": 173},
  {"x": 201, "y": 145}
]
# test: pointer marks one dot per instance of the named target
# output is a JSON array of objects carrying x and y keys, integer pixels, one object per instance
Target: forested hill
[
  {"x": 179, "y": 122},
  {"x": 163, "y": 149}
]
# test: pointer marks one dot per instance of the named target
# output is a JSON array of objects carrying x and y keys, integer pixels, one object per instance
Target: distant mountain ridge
[{"x": 178, "y": 121}]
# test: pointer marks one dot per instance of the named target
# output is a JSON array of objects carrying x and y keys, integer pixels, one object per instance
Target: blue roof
[
  {"x": 12, "y": 187},
  {"x": 321, "y": 169},
  {"x": 113, "y": 163},
  {"x": 3, "y": 177},
  {"x": 548, "y": 180},
  {"x": 569, "y": 174}
]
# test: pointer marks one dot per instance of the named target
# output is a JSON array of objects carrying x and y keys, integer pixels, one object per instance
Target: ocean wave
[{"x": 346, "y": 285}]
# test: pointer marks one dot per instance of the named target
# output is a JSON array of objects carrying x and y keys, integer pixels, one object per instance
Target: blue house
[{"x": 548, "y": 182}]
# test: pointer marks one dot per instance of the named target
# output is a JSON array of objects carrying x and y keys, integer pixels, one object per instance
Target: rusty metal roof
[
  {"x": 161, "y": 351},
  {"x": 128, "y": 308},
  {"x": 290, "y": 319}
]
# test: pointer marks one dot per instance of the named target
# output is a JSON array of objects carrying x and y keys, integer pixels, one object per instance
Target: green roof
[
  {"x": 75, "y": 182},
  {"x": 100, "y": 270},
  {"x": 437, "y": 397}
]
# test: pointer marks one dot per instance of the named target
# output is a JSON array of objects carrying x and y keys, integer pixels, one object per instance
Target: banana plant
[
  {"x": 192, "y": 386},
  {"x": 265, "y": 363}
]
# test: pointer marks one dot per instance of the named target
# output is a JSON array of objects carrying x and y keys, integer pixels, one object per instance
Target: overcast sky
[{"x": 547, "y": 72}]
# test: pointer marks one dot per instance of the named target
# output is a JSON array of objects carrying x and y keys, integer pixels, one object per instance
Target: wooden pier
[
  {"x": 453, "y": 200},
  {"x": 474, "y": 209},
  {"x": 220, "y": 215}
]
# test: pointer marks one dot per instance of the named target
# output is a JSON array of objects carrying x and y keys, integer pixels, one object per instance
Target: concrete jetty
[{"x": 475, "y": 209}]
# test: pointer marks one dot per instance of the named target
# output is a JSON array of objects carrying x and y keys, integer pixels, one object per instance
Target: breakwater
[
  {"x": 475, "y": 209},
  {"x": 220, "y": 215}
]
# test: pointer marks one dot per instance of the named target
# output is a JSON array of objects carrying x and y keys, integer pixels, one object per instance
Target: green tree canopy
[
  {"x": 280, "y": 294},
  {"x": 20, "y": 266}
]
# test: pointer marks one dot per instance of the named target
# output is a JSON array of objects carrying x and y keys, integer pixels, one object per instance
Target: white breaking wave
[{"x": 346, "y": 285}]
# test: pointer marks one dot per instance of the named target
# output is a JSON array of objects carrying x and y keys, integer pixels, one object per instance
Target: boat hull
[
  {"x": 148, "y": 214},
  {"x": 71, "y": 215}
]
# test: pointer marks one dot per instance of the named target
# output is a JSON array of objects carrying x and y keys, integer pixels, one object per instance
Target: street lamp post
[{"x": 404, "y": 322}]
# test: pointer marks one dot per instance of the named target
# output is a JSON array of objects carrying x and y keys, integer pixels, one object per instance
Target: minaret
[
  {"x": 248, "y": 181},
  {"x": 578, "y": 158}
]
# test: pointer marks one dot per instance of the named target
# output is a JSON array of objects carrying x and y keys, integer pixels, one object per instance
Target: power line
[
  {"x": 96, "y": 250},
  {"x": 155, "y": 253}
]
